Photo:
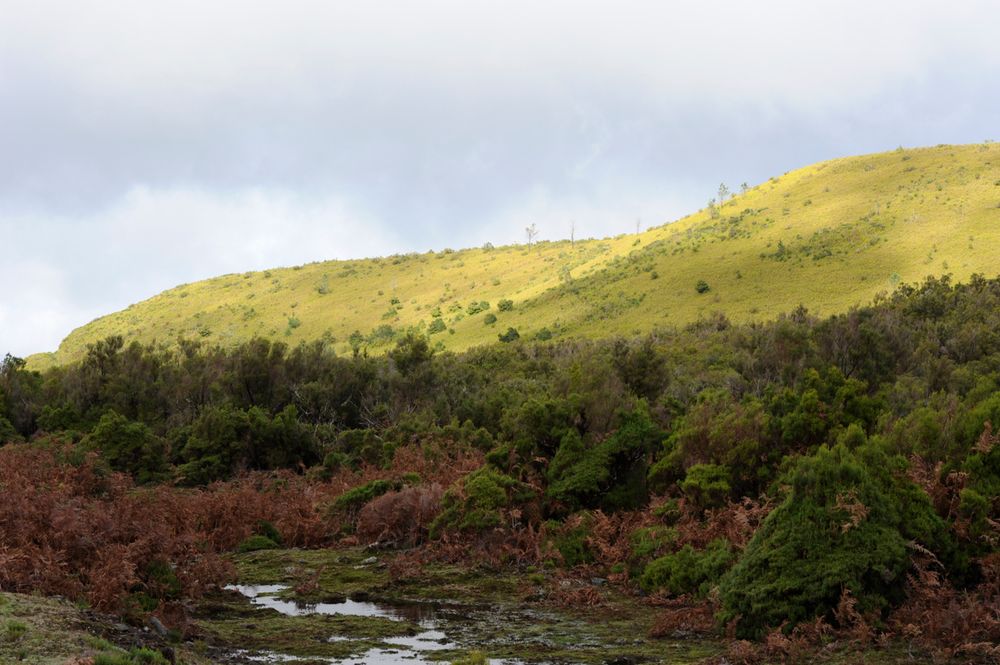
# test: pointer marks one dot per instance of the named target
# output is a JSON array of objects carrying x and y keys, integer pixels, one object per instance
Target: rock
[
  {"x": 370, "y": 561},
  {"x": 158, "y": 626},
  {"x": 598, "y": 581}
]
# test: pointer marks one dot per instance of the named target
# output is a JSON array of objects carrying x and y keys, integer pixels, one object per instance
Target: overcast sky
[{"x": 144, "y": 145}]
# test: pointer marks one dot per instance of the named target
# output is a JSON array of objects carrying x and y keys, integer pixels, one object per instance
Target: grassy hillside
[{"x": 827, "y": 236}]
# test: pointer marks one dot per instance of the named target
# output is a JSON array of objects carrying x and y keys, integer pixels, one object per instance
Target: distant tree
[
  {"x": 744, "y": 188},
  {"x": 531, "y": 232},
  {"x": 713, "y": 211},
  {"x": 723, "y": 193}
]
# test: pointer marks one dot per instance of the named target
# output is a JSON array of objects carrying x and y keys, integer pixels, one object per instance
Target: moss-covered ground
[
  {"x": 51, "y": 631},
  {"x": 516, "y": 616}
]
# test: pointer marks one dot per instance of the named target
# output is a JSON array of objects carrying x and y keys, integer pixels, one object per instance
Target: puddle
[
  {"x": 404, "y": 650},
  {"x": 264, "y": 595},
  {"x": 431, "y": 640}
]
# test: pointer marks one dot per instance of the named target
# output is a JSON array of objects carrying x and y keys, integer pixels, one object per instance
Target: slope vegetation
[{"x": 828, "y": 236}]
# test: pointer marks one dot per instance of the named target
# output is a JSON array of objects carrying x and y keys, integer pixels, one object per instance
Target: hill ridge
[{"x": 829, "y": 235}]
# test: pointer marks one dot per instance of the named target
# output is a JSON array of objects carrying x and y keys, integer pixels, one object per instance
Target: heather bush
[
  {"x": 257, "y": 542},
  {"x": 355, "y": 498},
  {"x": 570, "y": 539},
  {"x": 479, "y": 502},
  {"x": 845, "y": 525},
  {"x": 7, "y": 432},
  {"x": 706, "y": 485},
  {"x": 611, "y": 474},
  {"x": 688, "y": 571},
  {"x": 129, "y": 446}
]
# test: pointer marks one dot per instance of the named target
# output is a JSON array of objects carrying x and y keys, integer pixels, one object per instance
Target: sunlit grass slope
[{"x": 826, "y": 236}]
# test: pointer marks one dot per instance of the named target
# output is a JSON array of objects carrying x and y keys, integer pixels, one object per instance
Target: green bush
[
  {"x": 437, "y": 326},
  {"x": 129, "y": 446},
  {"x": 645, "y": 542},
  {"x": 571, "y": 542},
  {"x": 706, "y": 485},
  {"x": 223, "y": 438},
  {"x": 510, "y": 336},
  {"x": 702, "y": 286},
  {"x": 505, "y": 305},
  {"x": 979, "y": 501},
  {"x": 611, "y": 474},
  {"x": 844, "y": 526},
  {"x": 137, "y": 656},
  {"x": 355, "y": 498},
  {"x": 477, "y": 307},
  {"x": 268, "y": 530},
  {"x": 490, "y": 319},
  {"x": 477, "y": 504},
  {"x": 7, "y": 432},
  {"x": 334, "y": 461},
  {"x": 687, "y": 570},
  {"x": 161, "y": 581},
  {"x": 257, "y": 542}
]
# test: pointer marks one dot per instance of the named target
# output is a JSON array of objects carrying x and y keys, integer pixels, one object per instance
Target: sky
[{"x": 145, "y": 145}]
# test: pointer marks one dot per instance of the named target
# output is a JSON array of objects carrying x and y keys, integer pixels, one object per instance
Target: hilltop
[{"x": 827, "y": 236}]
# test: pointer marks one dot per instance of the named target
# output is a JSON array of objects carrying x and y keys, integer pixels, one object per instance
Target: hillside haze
[{"x": 827, "y": 236}]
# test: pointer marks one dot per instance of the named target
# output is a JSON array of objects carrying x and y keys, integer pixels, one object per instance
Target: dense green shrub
[
  {"x": 646, "y": 542},
  {"x": 980, "y": 501},
  {"x": 223, "y": 439},
  {"x": 7, "y": 432},
  {"x": 477, "y": 307},
  {"x": 570, "y": 540},
  {"x": 721, "y": 431},
  {"x": 490, "y": 319},
  {"x": 268, "y": 530},
  {"x": 61, "y": 418},
  {"x": 478, "y": 502},
  {"x": 129, "y": 446},
  {"x": 510, "y": 336},
  {"x": 611, "y": 474},
  {"x": 702, "y": 286},
  {"x": 706, "y": 485},
  {"x": 505, "y": 305},
  {"x": 844, "y": 526},
  {"x": 257, "y": 542},
  {"x": 355, "y": 498},
  {"x": 688, "y": 571}
]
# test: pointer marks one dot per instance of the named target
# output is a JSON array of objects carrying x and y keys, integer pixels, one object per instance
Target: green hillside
[{"x": 827, "y": 236}]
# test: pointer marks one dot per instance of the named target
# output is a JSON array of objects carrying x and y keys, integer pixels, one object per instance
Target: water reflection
[{"x": 403, "y": 650}]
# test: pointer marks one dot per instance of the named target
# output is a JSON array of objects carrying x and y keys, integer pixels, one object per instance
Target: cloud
[
  {"x": 146, "y": 145},
  {"x": 69, "y": 270}
]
